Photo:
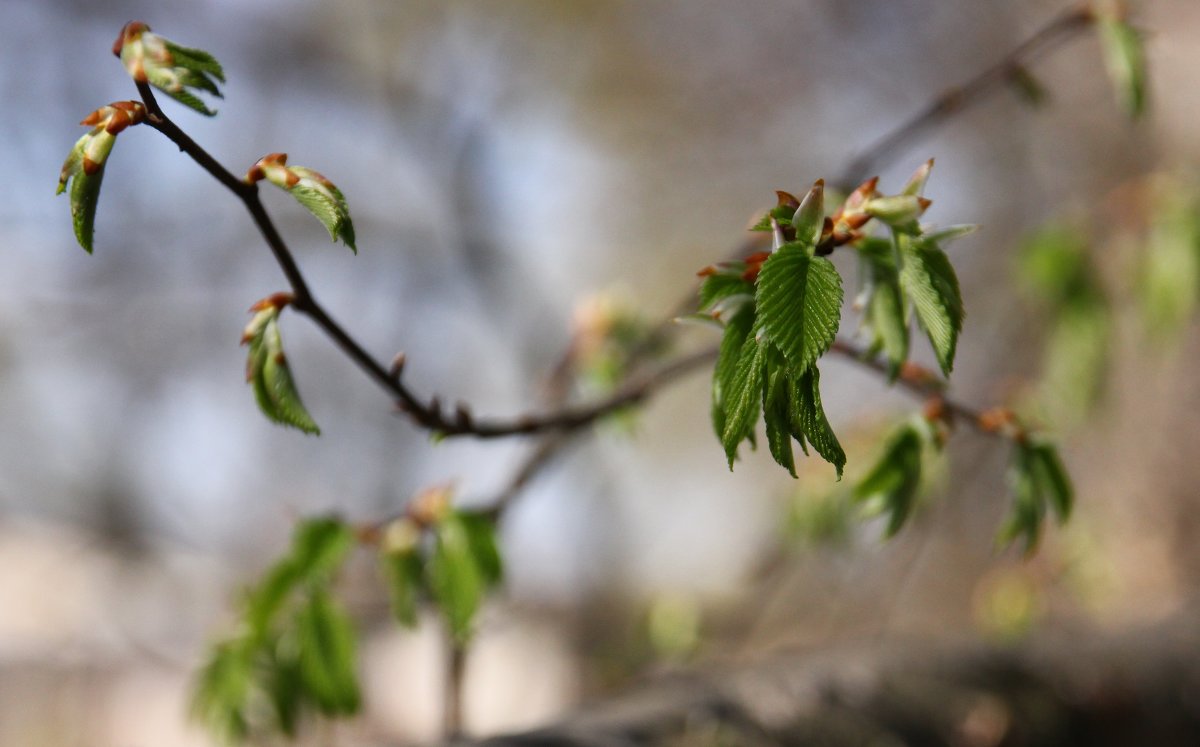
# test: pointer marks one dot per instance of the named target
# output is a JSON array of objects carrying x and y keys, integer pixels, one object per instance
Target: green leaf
[
  {"x": 799, "y": 302},
  {"x": 1126, "y": 60},
  {"x": 320, "y": 546},
  {"x": 810, "y": 216},
  {"x": 1051, "y": 479},
  {"x": 271, "y": 378},
  {"x": 221, "y": 696},
  {"x": 808, "y": 418},
  {"x": 777, "y": 414},
  {"x": 884, "y": 314},
  {"x": 1039, "y": 482},
  {"x": 782, "y": 214},
  {"x": 327, "y": 644},
  {"x": 928, "y": 280},
  {"x": 743, "y": 398},
  {"x": 737, "y": 331},
  {"x": 481, "y": 536},
  {"x": 264, "y": 603},
  {"x": 85, "y": 193},
  {"x": 283, "y": 684},
  {"x": 405, "y": 577},
  {"x": 1169, "y": 282},
  {"x": 893, "y": 482},
  {"x": 720, "y": 286},
  {"x": 169, "y": 67},
  {"x": 455, "y": 578},
  {"x": 326, "y": 203}
]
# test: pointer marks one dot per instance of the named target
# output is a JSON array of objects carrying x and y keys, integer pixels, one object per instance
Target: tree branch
[{"x": 954, "y": 100}]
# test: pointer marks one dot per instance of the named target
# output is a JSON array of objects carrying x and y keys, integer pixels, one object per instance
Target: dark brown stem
[
  {"x": 452, "y": 716},
  {"x": 954, "y": 100},
  {"x": 426, "y": 414}
]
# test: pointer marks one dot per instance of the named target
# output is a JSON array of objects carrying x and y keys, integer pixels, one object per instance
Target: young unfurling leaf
[
  {"x": 312, "y": 190},
  {"x": 169, "y": 67},
  {"x": 1039, "y": 483},
  {"x": 267, "y": 368},
  {"x": 929, "y": 281},
  {"x": 84, "y": 167},
  {"x": 891, "y": 485}
]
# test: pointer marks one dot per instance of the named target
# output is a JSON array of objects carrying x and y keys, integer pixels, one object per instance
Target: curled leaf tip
[{"x": 312, "y": 190}]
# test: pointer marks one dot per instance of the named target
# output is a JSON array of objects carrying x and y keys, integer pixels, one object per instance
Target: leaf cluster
[
  {"x": 1040, "y": 485},
  {"x": 781, "y": 310},
  {"x": 294, "y": 648},
  {"x": 447, "y": 556}
]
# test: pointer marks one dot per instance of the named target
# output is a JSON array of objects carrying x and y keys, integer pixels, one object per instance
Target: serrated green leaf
[
  {"x": 169, "y": 67},
  {"x": 808, "y": 418},
  {"x": 736, "y": 332},
  {"x": 777, "y": 413},
  {"x": 1039, "y": 482},
  {"x": 799, "y": 303},
  {"x": 327, "y": 644},
  {"x": 782, "y": 215},
  {"x": 884, "y": 315},
  {"x": 1125, "y": 58},
  {"x": 326, "y": 203},
  {"x": 197, "y": 60},
  {"x": 929, "y": 281},
  {"x": 455, "y": 579},
  {"x": 744, "y": 396},
  {"x": 405, "y": 576},
  {"x": 893, "y": 482},
  {"x": 274, "y": 387}
]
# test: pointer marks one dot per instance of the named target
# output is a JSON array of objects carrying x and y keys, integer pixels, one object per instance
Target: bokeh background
[{"x": 505, "y": 162}]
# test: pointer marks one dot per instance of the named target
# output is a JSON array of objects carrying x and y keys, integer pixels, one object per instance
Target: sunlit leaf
[
  {"x": 312, "y": 190},
  {"x": 799, "y": 302},
  {"x": 742, "y": 399},
  {"x": 929, "y": 281}
]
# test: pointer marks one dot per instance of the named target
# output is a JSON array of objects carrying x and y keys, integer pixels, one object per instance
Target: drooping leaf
[
  {"x": 222, "y": 692},
  {"x": 808, "y": 418},
  {"x": 327, "y": 650},
  {"x": 85, "y": 193},
  {"x": 320, "y": 546},
  {"x": 929, "y": 281},
  {"x": 1039, "y": 482},
  {"x": 312, "y": 190},
  {"x": 777, "y": 413},
  {"x": 799, "y": 303},
  {"x": 884, "y": 316},
  {"x": 1125, "y": 58},
  {"x": 269, "y": 374},
  {"x": 455, "y": 578},
  {"x": 405, "y": 571},
  {"x": 481, "y": 537},
  {"x": 892, "y": 484},
  {"x": 736, "y": 333},
  {"x": 743, "y": 398},
  {"x": 84, "y": 166},
  {"x": 283, "y": 685}
]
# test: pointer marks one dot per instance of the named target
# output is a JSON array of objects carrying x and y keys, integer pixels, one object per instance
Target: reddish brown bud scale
[
  {"x": 707, "y": 271},
  {"x": 90, "y": 167},
  {"x": 996, "y": 419},
  {"x": 273, "y": 301},
  {"x": 935, "y": 410},
  {"x": 786, "y": 199}
]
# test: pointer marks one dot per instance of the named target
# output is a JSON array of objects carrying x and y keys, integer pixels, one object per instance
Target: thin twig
[
  {"x": 954, "y": 100},
  {"x": 426, "y": 414}
]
